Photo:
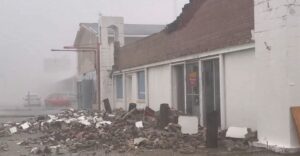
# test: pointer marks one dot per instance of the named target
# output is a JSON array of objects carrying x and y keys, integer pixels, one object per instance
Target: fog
[{"x": 30, "y": 28}]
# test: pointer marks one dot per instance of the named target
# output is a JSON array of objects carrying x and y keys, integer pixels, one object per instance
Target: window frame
[
  {"x": 141, "y": 92},
  {"x": 119, "y": 80}
]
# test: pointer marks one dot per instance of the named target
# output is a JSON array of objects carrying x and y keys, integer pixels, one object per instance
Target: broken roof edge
[
  {"x": 228, "y": 49},
  {"x": 188, "y": 12}
]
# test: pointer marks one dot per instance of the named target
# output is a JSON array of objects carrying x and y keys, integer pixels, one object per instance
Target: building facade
[{"x": 236, "y": 58}]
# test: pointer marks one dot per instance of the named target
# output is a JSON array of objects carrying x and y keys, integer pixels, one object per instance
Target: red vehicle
[{"x": 58, "y": 100}]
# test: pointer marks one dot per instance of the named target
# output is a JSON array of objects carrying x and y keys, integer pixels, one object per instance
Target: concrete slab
[
  {"x": 189, "y": 124},
  {"x": 236, "y": 132}
]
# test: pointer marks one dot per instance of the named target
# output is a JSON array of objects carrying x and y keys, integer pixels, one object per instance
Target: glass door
[{"x": 192, "y": 89}]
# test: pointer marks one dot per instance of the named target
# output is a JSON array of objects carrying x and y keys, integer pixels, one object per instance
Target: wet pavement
[{"x": 17, "y": 150}]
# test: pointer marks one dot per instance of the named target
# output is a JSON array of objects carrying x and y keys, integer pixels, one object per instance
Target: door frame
[
  {"x": 223, "y": 119},
  {"x": 220, "y": 57}
]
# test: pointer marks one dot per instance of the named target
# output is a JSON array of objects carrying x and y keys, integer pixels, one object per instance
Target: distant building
[{"x": 109, "y": 33}]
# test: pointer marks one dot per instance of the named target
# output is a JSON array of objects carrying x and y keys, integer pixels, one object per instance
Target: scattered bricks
[
  {"x": 251, "y": 135},
  {"x": 131, "y": 106},
  {"x": 128, "y": 114},
  {"x": 3, "y": 133},
  {"x": 120, "y": 131},
  {"x": 3, "y": 147}
]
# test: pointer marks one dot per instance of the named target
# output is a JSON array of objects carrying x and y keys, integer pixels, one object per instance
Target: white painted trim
[
  {"x": 114, "y": 90},
  {"x": 201, "y": 94},
  {"x": 210, "y": 58},
  {"x": 125, "y": 35},
  {"x": 172, "y": 82},
  {"x": 222, "y": 92},
  {"x": 146, "y": 87},
  {"x": 184, "y": 73},
  {"x": 195, "y": 56},
  {"x": 171, "y": 90}
]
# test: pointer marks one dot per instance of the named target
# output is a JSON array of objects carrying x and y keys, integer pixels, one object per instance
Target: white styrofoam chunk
[
  {"x": 81, "y": 118},
  {"x": 236, "y": 132},
  {"x": 13, "y": 130},
  {"x": 52, "y": 116},
  {"x": 189, "y": 124},
  {"x": 139, "y": 124},
  {"x": 25, "y": 125},
  {"x": 85, "y": 122}
]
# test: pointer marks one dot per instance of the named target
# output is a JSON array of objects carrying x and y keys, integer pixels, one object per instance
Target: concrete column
[{"x": 107, "y": 52}]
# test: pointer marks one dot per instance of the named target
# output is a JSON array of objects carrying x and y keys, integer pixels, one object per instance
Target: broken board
[{"x": 296, "y": 116}]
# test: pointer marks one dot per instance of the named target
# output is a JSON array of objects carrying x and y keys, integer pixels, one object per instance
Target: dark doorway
[
  {"x": 211, "y": 89},
  {"x": 178, "y": 87},
  {"x": 86, "y": 94}
]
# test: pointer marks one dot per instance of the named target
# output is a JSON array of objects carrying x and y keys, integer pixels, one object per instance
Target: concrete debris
[
  {"x": 122, "y": 131},
  {"x": 189, "y": 124},
  {"x": 138, "y": 141},
  {"x": 238, "y": 139},
  {"x": 25, "y": 125},
  {"x": 236, "y": 132}
]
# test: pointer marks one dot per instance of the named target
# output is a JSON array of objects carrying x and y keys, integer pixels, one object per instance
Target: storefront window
[{"x": 141, "y": 84}]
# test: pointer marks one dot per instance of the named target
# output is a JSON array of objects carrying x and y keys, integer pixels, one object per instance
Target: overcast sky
[{"x": 29, "y": 28}]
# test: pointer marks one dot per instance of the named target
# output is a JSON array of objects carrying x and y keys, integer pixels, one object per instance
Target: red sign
[{"x": 193, "y": 79}]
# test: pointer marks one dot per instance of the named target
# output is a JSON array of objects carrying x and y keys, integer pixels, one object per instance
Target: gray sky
[{"x": 29, "y": 28}]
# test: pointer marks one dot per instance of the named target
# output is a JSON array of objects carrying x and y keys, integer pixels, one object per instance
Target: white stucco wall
[
  {"x": 107, "y": 53},
  {"x": 159, "y": 86},
  {"x": 239, "y": 87},
  {"x": 277, "y": 82}
]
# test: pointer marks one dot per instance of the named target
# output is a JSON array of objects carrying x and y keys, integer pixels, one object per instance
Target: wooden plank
[{"x": 296, "y": 116}]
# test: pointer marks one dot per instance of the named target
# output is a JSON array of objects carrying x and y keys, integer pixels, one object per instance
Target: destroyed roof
[
  {"x": 203, "y": 26},
  {"x": 130, "y": 29}
]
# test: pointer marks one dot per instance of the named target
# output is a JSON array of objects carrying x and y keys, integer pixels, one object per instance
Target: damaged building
[
  {"x": 226, "y": 56},
  {"x": 238, "y": 58}
]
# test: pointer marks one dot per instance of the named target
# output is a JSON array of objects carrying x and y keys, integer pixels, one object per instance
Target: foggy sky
[{"x": 30, "y": 28}]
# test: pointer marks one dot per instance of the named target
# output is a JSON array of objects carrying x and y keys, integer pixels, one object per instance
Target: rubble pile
[{"x": 121, "y": 131}]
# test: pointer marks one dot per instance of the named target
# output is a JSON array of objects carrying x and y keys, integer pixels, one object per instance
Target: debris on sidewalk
[
  {"x": 237, "y": 138},
  {"x": 77, "y": 130}
]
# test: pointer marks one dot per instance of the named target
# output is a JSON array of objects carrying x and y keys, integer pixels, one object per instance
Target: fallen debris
[
  {"x": 189, "y": 124},
  {"x": 74, "y": 131},
  {"x": 138, "y": 141},
  {"x": 236, "y": 132},
  {"x": 139, "y": 124},
  {"x": 13, "y": 130}
]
